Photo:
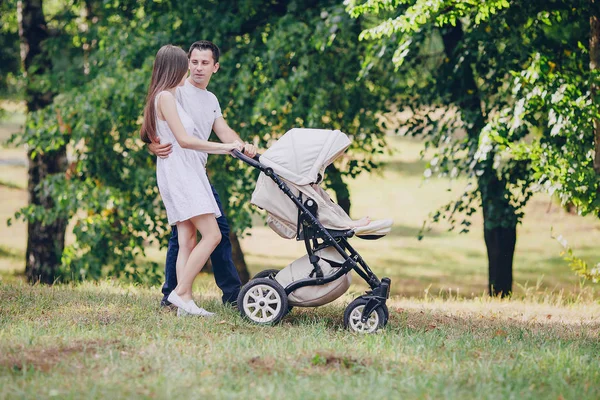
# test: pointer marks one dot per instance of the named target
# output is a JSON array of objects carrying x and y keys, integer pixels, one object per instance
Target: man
[{"x": 203, "y": 107}]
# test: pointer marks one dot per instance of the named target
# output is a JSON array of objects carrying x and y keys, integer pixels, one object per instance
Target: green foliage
[
  {"x": 577, "y": 264},
  {"x": 553, "y": 105},
  {"x": 494, "y": 41},
  {"x": 10, "y": 77},
  {"x": 278, "y": 71},
  {"x": 513, "y": 79}
]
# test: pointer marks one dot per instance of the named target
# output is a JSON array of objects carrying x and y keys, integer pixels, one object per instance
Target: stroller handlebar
[{"x": 254, "y": 161}]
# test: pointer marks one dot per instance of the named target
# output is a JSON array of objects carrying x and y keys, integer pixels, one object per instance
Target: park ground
[{"x": 445, "y": 337}]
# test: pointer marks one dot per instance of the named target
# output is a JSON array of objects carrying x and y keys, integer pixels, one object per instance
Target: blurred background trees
[
  {"x": 514, "y": 81},
  {"x": 88, "y": 66},
  {"x": 503, "y": 92}
]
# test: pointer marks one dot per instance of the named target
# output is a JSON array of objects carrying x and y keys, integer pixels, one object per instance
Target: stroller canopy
[
  {"x": 298, "y": 157},
  {"x": 301, "y": 154}
]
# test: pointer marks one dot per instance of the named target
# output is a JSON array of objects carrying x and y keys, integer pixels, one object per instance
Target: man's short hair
[{"x": 205, "y": 45}]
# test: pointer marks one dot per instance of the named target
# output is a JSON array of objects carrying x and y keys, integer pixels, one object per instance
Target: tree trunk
[
  {"x": 594, "y": 65},
  {"x": 238, "y": 258},
  {"x": 45, "y": 242},
  {"x": 500, "y": 243},
  {"x": 499, "y": 217},
  {"x": 342, "y": 194}
]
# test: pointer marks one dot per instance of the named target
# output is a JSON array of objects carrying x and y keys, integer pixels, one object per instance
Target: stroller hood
[
  {"x": 300, "y": 155},
  {"x": 298, "y": 158}
]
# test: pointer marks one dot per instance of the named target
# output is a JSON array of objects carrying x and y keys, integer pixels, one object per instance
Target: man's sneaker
[
  {"x": 231, "y": 300},
  {"x": 166, "y": 305},
  {"x": 232, "y": 304}
]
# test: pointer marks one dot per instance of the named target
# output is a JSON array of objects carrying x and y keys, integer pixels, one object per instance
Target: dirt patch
[
  {"x": 265, "y": 364},
  {"x": 328, "y": 360},
  {"x": 44, "y": 359},
  {"x": 308, "y": 365}
]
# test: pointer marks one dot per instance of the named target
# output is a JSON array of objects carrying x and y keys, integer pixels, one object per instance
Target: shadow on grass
[
  {"x": 413, "y": 231},
  {"x": 412, "y": 168},
  {"x": 12, "y": 254},
  {"x": 478, "y": 327}
]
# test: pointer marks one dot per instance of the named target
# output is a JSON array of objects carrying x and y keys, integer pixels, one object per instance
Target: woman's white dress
[{"x": 181, "y": 177}]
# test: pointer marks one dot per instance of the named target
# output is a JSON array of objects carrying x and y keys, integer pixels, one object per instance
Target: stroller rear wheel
[
  {"x": 353, "y": 314},
  {"x": 263, "y": 301},
  {"x": 270, "y": 273},
  {"x": 267, "y": 273}
]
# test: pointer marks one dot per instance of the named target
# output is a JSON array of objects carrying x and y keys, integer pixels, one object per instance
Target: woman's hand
[
  {"x": 250, "y": 150},
  {"x": 237, "y": 145}
]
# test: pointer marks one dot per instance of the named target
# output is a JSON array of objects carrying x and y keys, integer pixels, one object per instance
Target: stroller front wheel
[
  {"x": 353, "y": 317},
  {"x": 263, "y": 301}
]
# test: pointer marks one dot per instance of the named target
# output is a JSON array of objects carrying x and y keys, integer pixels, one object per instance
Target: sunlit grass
[{"x": 110, "y": 340}]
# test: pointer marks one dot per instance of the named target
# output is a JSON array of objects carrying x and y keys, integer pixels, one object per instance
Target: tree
[
  {"x": 277, "y": 71},
  {"x": 45, "y": 239},
  {"x": 466, "y": 54},
  {"x": 594, "y": 67}
]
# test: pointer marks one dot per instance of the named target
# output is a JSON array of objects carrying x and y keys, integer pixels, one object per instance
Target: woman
[{"x": 181, "y": 178}]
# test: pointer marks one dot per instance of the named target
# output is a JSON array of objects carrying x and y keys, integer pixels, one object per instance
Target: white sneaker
[
  {"x": 201, "y": 311},
  {"x": 176, "y": 300},
  {"x": 182, "y": 313},
  {"x": 187, "y": 308}
]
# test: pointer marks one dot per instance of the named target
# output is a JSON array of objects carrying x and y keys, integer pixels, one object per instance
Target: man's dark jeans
[{"x": 226, "y": 275}]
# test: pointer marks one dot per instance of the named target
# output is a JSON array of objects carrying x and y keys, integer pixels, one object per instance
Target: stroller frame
[{"x": 312, "y": 231}]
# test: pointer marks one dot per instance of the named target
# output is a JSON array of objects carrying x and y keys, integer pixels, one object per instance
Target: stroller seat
[
  {"x": 374, "y": 230},
  {"x": 282, "y": 214}
]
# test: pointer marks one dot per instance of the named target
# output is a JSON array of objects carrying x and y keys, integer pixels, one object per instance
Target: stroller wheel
[
  {"x": 267, "y": 273},
  {"x": 353, "y": 315},
  {"x": 386, "y": 313},
  {"x": 263, "y": 301}
]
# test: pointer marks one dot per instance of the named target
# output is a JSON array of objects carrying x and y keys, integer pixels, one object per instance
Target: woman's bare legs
[
  {"x": 186, "y": 237},
  {"x": 193, "y": 257}
]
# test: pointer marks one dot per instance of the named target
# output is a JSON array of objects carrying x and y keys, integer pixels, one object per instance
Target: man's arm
[{"x": 228, "y": 135}]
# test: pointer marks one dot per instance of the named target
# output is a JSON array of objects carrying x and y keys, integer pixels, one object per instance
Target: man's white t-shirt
[{"x": 203, "y": 107}]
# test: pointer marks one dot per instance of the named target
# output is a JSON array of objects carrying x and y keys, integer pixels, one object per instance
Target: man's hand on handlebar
[{"x": 250, "y": 150}]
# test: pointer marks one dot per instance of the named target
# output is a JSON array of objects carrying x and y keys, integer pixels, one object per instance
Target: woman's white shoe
[
  {"x": 201, "y": 311},
  {"x": 187, "y": 308},
  {"x": 176, "y": 300}
]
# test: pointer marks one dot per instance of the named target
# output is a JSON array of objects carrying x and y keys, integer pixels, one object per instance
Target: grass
[{"x": 106, "y": 340}]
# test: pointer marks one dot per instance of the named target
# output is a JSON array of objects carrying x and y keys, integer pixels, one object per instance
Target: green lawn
[
  {"x": 13, "y": 182},
  {"x": 104, "y": 340}
]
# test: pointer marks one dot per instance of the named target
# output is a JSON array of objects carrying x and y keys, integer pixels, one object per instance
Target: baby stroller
[{"x": 297, "y": 207}]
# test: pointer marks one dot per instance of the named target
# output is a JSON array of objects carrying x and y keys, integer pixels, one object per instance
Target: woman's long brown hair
[{"x": 170, "y": 66}]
